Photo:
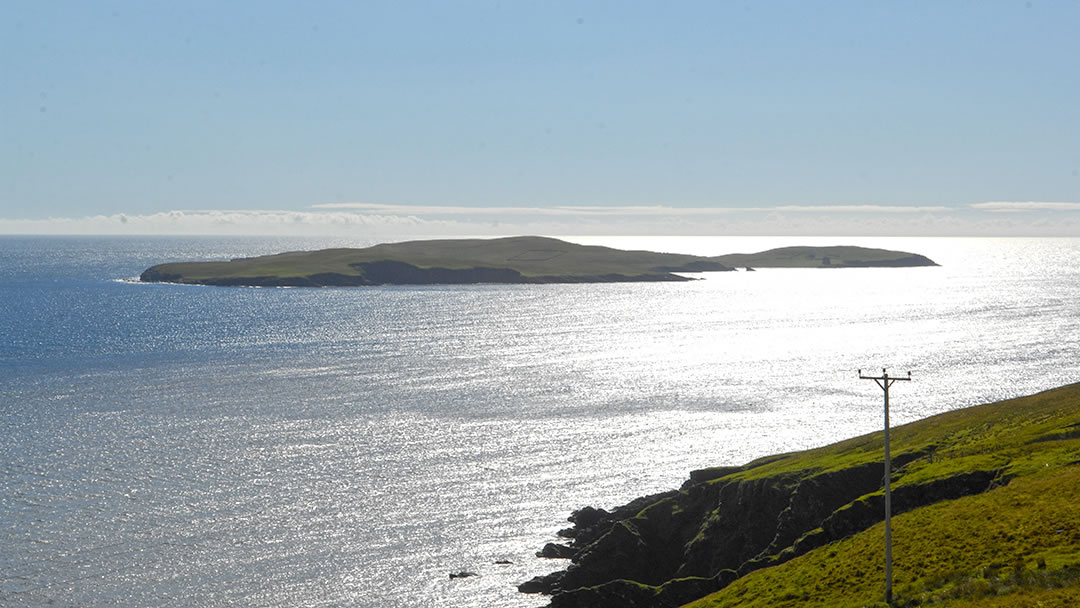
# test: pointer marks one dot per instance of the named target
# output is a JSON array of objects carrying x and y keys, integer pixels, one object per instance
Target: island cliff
[
  {"x": 506, "y": 260},
  {"x": 797, "y": 529}
]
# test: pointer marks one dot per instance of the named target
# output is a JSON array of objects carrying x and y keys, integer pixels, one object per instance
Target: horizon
[
  {"x": 389, "y": 222},
  {"x": 608, "y": 118}
]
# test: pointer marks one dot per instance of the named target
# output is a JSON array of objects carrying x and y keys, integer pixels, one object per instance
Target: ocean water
[{"x": 194, "y": 446}]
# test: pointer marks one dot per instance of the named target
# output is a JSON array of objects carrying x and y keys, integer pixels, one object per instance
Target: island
[
  {"x": 521, "y": 259},
  {"x": 985, "y": 514}
]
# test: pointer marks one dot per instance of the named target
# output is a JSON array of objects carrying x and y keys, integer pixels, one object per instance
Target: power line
[{"x": 884, "y": 381}]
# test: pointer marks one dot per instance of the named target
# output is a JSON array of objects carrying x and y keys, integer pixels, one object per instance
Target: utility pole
[{"x": 884, "y": 381}]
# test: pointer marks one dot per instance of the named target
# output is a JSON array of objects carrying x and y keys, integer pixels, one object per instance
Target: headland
[{"x": 984, "y": 502}]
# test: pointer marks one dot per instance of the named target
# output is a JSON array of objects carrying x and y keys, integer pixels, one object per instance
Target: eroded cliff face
[{"x": 669, "y": 549}]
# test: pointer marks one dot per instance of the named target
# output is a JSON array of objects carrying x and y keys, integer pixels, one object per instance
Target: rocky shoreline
[{"x": 671, "y": 548}]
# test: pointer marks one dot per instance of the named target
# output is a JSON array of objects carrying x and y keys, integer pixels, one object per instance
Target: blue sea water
[{"x": 194, "y": 446}]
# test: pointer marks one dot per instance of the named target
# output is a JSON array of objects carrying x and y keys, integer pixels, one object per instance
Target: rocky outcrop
[
  {"x": 556, "y": 551},
  {"x": 668, "y": 549}
]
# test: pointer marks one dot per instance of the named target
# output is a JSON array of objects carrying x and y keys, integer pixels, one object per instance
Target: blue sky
[{"x": 547, "y": 117}]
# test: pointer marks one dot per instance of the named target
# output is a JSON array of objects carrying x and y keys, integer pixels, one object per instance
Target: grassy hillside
[
  {"x": 1017, "y": 544},
  {"x": 1012, "y": 546},
  {"x": 987, "y": 513},
  {"x": 506, "y": 260}
]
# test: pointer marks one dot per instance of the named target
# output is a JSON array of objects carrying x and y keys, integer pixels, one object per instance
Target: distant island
[{"x": 520, "y": 259}]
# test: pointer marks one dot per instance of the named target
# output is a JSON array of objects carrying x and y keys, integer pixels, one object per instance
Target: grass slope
[{"x": 1017, "y": 544}]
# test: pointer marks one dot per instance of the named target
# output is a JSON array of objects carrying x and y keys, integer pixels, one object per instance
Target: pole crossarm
[{"x": 885, "y": 380}]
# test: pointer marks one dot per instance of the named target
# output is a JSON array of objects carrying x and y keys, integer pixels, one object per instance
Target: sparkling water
[{"x": 199, "y": 446}]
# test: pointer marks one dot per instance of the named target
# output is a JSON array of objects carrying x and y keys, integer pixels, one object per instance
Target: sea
[{"x": 169, "y": 445}]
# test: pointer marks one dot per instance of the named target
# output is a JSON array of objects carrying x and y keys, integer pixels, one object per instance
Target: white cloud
[
  {"x": 223, "y": 222},
  {"x": 385, "y": 222},
  {"x": 614, "y": 210},
  {"x": 1017, "y": 206},
  {"x": 861, "y": 209},
  {"x": 552, "y": 211}
]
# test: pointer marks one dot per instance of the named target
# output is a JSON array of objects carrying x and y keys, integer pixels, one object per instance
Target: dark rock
[
  {"x": 555, "y": 551},
  {"x": 739, "y": 522},
  {"x": 869, "y": 510},
  {"x": 816, "y": 497},
  {"x": 613, "y": 594},
  {"x": 587, "y": 516},
  {"x": 546, "y": 584},
  {"x": 623, "y": 553},
  {"x": 462, "y": 574},
  {"x": 630, "y": 594},
  {"x": 602, "y": 521}
]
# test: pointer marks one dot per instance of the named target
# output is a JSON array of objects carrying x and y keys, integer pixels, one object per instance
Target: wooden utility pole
[{"x": 884, "y": 381}]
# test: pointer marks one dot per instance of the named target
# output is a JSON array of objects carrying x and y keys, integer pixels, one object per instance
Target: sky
[{"x": 540, "y": 117}]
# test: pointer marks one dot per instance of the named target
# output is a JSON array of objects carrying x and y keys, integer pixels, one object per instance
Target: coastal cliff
[
  {"x": 753, "y": 531},
  {"x": 508, "y": 260}
]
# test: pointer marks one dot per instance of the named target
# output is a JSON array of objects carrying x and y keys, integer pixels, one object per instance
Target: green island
[
  {"x": 522, "y": 259},
  {"x": 986, "y": 504}
]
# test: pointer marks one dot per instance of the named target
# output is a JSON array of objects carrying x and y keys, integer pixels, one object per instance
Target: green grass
[
  {"x": 1009, "y": 433},
  {"x": 1017, "y": 544},
  {"x": 1022, "y": 537}
]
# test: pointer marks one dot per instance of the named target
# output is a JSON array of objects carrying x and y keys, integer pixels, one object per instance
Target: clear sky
[{"x": 549, "y": 117}]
